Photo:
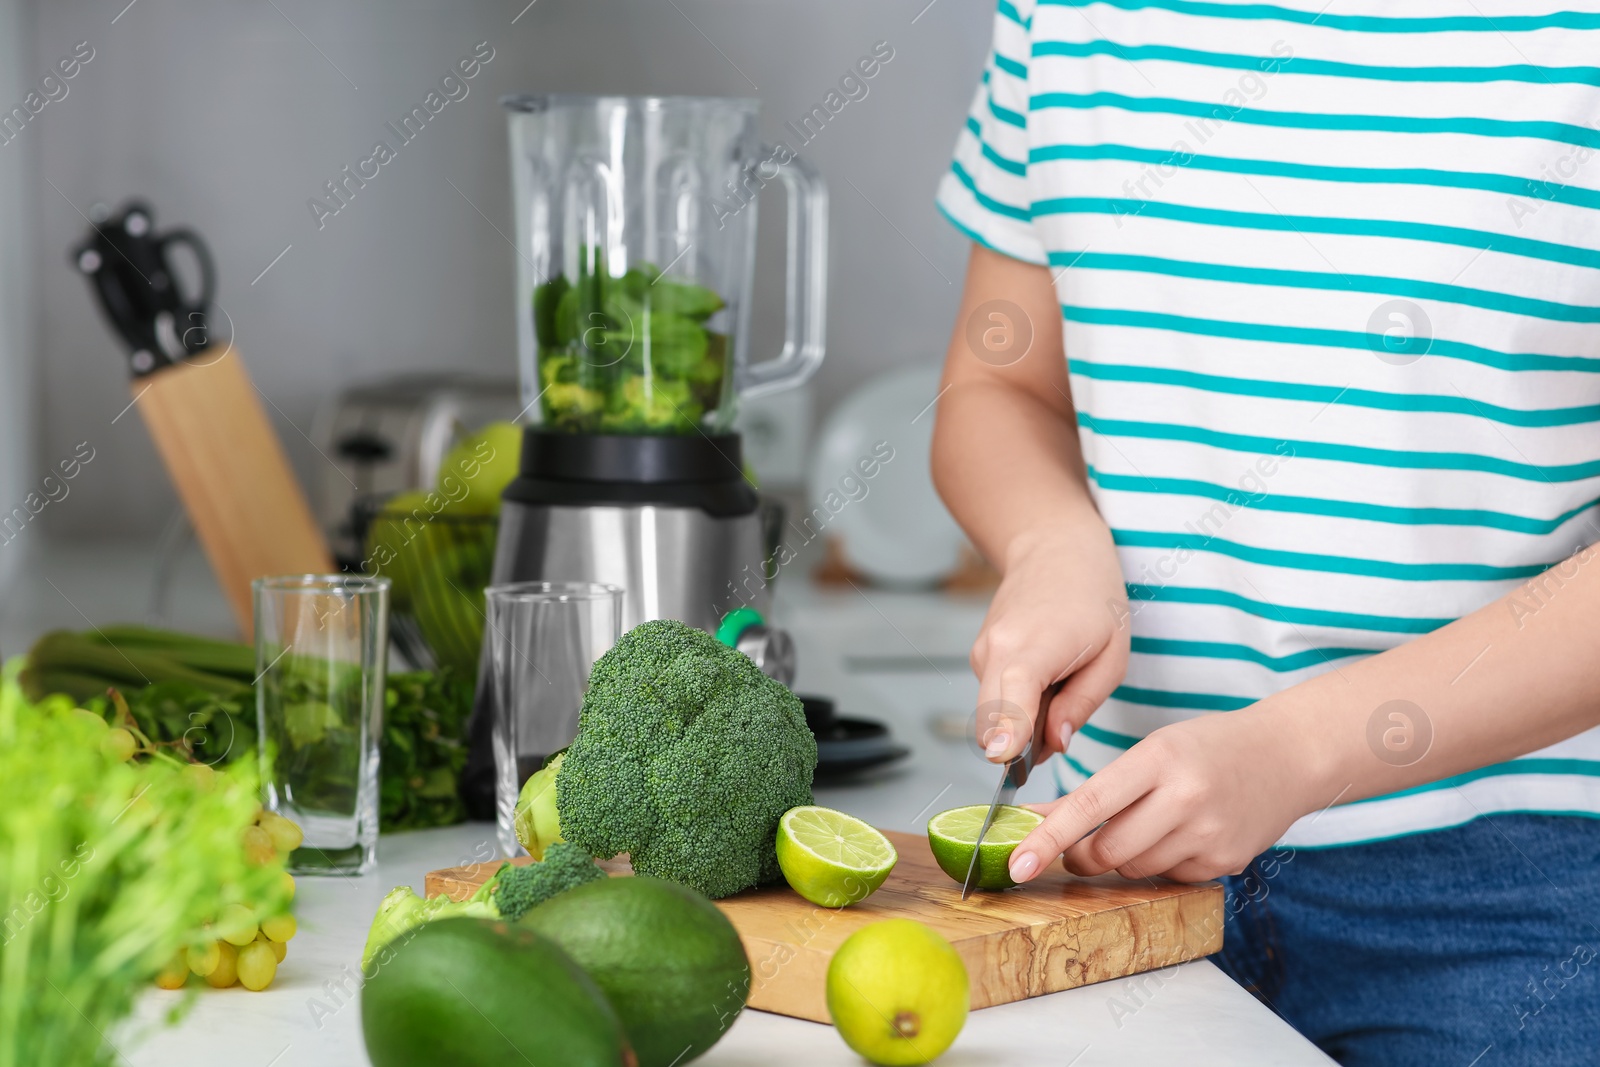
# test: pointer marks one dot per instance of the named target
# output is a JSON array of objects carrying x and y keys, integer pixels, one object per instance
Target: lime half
[
  {"x": 830, "y": 858},
  {"x": 952, "y": 834}
]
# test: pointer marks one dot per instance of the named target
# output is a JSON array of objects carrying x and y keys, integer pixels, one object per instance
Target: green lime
[
  {"x": 951, "y": 835},
  {"x": 897, "y": 992},
  {"x": 830, "y": 858}
]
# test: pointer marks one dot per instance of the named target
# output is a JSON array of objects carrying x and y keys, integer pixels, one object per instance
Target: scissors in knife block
[
  {"x": 130, "y": 266},
  {"x": 1013, "y": 776},
  {"x": 200, "y": 407}
]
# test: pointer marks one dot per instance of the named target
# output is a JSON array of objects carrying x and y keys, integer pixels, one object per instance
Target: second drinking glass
[{"x": 544, "y": 638}]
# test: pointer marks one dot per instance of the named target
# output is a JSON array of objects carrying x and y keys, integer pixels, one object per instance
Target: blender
[
  {"x": 635, "y": 235},
  {"x": 635, "y": 232}
]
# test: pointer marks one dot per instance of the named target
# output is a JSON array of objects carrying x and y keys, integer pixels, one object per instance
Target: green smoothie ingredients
[
  {"x": 830, "y": 858},
  {"x": 952, "y": 834},
  {"x": 897, "y": 992},
  {"x": 686, "y": 758},
  {"x": 667, "y": 959},
  {"x": 112, "y": 861},
  {"x": 199, "y": 701},
  {"x": 628, "y": 354},
  {"x": 509, "y": 894}
]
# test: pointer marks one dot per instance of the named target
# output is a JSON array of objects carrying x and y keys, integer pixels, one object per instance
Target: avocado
[
  {"x": 667, "y": 959},
  {"x": 483, "y": 993}
]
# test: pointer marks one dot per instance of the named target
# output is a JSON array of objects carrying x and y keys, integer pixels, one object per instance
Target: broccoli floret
[
  {"x": 686, "y": 757},
  {"x": 518, "y": 890}
]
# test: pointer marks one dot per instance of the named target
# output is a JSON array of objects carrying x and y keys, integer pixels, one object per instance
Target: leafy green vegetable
[
  {"x": 686, "y": 757},
  {"x": 629, "y": 354},
  {"x": 213, "y": 721},
  {"x": 107, "y": 869}
]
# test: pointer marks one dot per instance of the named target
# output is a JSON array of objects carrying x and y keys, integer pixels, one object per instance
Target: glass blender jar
[{"x": 635, "y": 234}]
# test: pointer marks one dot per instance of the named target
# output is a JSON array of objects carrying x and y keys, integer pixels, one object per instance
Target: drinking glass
[
  {"x": 321, "y": 641},
  {"x": 544, "y": 638}
]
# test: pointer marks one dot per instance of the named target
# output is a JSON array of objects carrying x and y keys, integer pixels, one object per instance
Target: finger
[
  {"x": 1008, "y": 699},
  {"x": 1080, "y": 811},
  {"x": 1081, "y": 696},
  {"x": 1138, "y": 829},
  {"x": 1195, "y": 869},
  {"x": 1169, "y": 853}
]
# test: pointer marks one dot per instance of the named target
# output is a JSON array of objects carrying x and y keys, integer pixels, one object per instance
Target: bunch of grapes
[{"x": 240, "y": 946}]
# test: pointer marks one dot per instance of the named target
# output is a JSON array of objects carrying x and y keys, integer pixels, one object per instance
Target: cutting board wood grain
[{"x": 1056, "y": 933}]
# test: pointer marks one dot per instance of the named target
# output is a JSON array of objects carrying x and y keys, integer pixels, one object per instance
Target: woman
[{"x": 1273, "y": 397}]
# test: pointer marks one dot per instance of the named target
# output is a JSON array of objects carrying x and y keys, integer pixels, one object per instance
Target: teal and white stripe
[{"x": 1232, "y": 197}]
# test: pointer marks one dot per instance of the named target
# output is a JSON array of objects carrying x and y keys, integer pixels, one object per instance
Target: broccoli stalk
[{"x": 686, "y": 757}]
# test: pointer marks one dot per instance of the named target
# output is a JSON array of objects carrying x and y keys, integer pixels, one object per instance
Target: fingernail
[
  {"x": 1066, "y": 736},
  {"x": 1023, "y": 864},
  {"x": 997, "y": 744}
]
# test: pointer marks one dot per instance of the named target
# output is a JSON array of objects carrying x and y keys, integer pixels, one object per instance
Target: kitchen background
[{"x": 231, "y": 115}]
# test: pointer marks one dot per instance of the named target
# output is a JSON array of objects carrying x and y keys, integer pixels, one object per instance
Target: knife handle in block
[{"x": 232, "y": 474}]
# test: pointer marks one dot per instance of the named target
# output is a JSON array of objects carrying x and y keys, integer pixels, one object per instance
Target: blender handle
[{"x": 806, "y": 307}]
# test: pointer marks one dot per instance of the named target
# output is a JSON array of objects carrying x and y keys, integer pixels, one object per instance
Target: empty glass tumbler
[
  {"x": 321, "y": 643},
  {"x": 544, "y": 639}
]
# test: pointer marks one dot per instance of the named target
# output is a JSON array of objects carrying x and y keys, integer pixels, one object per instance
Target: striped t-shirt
[{"x": 1330, "y": 280}]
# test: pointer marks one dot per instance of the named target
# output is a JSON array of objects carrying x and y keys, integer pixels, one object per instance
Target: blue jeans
[{"x": 1476, "y": 946}]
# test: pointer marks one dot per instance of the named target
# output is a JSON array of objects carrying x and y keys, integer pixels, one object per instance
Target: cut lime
[
  {"x": 952, "y": 834},
  {"x": 830, "y": 858}
]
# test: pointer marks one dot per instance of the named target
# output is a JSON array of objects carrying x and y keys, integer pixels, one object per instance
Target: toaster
[{"x": 387, "y": 436}]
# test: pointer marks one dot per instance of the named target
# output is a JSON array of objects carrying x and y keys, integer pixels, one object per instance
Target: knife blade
[{"x": 1013, "y": 776}]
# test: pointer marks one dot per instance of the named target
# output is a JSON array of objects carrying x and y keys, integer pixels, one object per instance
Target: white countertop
[{"x": 896, "y": 657}]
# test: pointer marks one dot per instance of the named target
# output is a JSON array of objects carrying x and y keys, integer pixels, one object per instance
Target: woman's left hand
[{"x": 1190, "y": 802}]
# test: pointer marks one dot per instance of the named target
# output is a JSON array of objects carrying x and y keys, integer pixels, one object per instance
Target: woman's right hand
[
  {"x": 1009, "y": 465},
  {"x": 1059, "y": 616}
]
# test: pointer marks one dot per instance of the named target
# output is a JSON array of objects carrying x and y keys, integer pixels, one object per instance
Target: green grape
[
  {"x": 279, "y": 949},
  {"x": 89, "y": 716},
  {"x": 288, "y": 884},
  {"x": 203, "y": 961},
  {"x": 279, "y": 928},
  {"x": 175, "y": 973},
  {"x": 258, "y": 847},
  {"x": 286, "y": 836},
  {"x": 258, "y": 965},
  {"x": 118, "y": 745},
  {"x": 237, "y": 925},
  {"x": 204, "y": 778},
  {"x": 227, "y": 969}
]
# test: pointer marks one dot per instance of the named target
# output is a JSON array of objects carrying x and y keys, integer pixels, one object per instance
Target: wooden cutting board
[{"x": 1056, "y": 933}]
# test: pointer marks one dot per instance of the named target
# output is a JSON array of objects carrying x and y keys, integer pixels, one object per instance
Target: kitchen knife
[
  {"x": 1012, "y": 777},
  {"x": 201, "y": 409}
]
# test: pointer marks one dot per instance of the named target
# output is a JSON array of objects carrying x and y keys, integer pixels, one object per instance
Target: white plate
[{"x": 890, "y": 523}]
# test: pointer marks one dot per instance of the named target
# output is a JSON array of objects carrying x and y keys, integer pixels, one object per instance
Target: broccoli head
[
  {"x": 517, "y": 890},
  {"x": 686, "y": 757}
]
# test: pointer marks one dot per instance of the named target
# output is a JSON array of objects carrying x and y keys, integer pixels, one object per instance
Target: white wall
[
  {"x": 17, "y": 354},
  {"x": 229, "y": 118}
]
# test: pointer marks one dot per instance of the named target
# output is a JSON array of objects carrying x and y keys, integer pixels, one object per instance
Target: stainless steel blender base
[{"x": 671, "y": 562}]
